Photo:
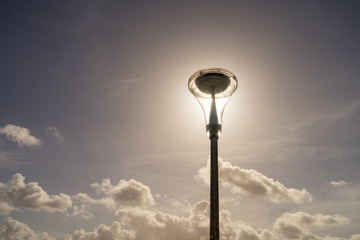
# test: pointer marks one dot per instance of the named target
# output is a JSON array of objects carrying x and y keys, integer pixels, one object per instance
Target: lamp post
[{"x": 212, "y": 87}]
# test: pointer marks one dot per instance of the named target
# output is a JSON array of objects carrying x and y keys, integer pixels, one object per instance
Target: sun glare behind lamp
[{"x": 212, "y": 87}]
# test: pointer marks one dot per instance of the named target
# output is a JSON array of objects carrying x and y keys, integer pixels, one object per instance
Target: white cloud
[
  {"x": 16, "y": 194},
  {"x": 230, "y": 229},
  {"x": 355, "y": 237},
  {"x": 55, "y": 132},
  {"x": 153, "y": 225},
  {"x": 298, "y": 225},
  {"x": 103, "y": 232},
  {"x": 254, "y": 184},
  {"x": 162, "y": 225},
  {"x": 126, "y": 193},
  {"x": 178, "y": 205},
  {"x": 156, "y": 225},
  {"x": 15, "y": 230},
  {"x": 20, "y": 135},
  {"x": 339, "y": 183},
  {"x": 82, "y": 203},
  {"x": 138, "y": 223},
  {"x": 5, "y": 208}
]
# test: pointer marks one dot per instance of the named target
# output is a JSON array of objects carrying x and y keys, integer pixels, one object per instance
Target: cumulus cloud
[
  {"x": 153, "y": 225},
  {"x": 355, "y": 237},
  {"x": 15, "y": 230},
  {"x": 177, "y": 205},
  {"x": 103, "y": 232},
  {"x": 254, "y": 184},
  {"x": 20, "y": 135},
  {"x": 166, "y": 226},
  {"x": 5, "y": 208},
  {"x": 82, "y": 203},
  {"x": 139, "y": 224},
  {"x": 17, "y": 194},
  {"x": 298, "y": 225},
  {"x": 157, "y": 225},
  {"x": 230, "y": 229},
  {"x": 126, "y": 193},
  {"x": 55, "y": 132}
]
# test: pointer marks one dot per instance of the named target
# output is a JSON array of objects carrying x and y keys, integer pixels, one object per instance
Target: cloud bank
[
  {"x": 151, "y": 225},
  {"x": 17, "y": 194},
  {"x": 253, "y": 184},
  {"x": 139, "y": 224},
  {"x": 138, "y": 220},
  {"x": 20, "y": 135}
]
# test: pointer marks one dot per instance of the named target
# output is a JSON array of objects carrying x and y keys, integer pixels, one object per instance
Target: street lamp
[{"x": 212, "y": 87}]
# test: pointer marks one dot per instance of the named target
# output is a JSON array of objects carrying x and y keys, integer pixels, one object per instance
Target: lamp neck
[
  {"x": 213, "y": 112},
  {"x": 213, "y": 128}
]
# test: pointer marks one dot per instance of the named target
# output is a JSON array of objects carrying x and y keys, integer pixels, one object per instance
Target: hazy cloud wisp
[
  {"x": 55, "y": 132},
  {"x": 339, "y": 183}
]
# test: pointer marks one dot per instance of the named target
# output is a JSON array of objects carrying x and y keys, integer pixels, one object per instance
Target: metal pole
[{"x": 214, "y": 190}]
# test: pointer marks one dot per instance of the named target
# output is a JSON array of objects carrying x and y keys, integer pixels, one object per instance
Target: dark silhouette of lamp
[{"x": 212, "y": 87}]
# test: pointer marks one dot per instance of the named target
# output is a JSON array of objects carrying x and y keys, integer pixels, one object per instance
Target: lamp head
[{"x": 212, "y": 87}]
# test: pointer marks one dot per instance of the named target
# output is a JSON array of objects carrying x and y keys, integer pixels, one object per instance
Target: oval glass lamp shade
[{"x": 212, "y": 87}]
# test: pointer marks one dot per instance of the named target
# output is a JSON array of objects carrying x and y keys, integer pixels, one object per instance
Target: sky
[{"x": 100, "y": 137}]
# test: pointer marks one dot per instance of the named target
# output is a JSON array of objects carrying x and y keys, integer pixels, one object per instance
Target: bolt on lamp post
[{"x": 212, "y": 87}]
